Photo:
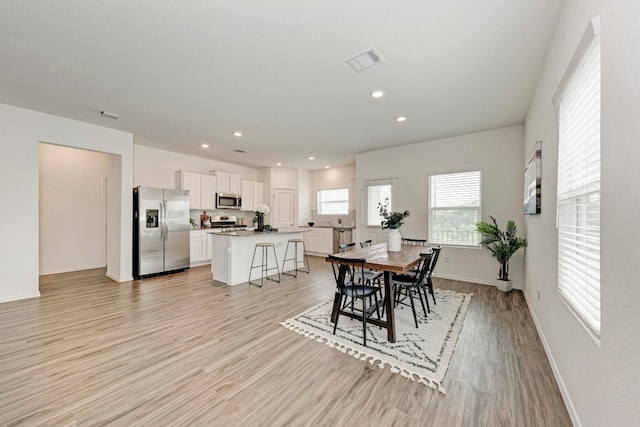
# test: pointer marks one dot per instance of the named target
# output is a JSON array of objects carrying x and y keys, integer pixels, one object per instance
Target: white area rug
[{"x": 421, "y": 354}]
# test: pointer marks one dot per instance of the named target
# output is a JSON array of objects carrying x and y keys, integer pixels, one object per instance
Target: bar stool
[
  {"x": 305, "y": 258},
  {"x": 264, "y": 267}
]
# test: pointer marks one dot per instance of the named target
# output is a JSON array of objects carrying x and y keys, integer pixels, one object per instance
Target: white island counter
[{"x": 231, "y": 253}]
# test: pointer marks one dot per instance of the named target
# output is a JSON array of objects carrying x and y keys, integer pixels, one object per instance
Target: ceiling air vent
[
  {"x": 364, "y": 60},
  {"x": 239, "y": 150}
]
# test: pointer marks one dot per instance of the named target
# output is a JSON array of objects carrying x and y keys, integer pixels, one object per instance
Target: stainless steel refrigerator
[{"x": 160, "y": 231}]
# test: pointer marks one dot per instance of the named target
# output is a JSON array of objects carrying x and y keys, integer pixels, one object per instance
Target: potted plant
[
  {"x": 392, "y": 221},
  {"x": 502, "y": 244}
]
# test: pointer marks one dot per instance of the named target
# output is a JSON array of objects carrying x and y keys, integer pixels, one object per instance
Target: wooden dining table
[{"x": 379, "y": 258}]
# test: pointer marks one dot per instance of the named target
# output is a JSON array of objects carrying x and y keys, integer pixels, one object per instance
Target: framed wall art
[{"x": 532, "y": 181}]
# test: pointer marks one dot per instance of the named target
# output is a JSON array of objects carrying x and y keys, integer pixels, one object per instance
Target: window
[
  {"x": 578, "y": 204},
  {"x": 378, "y": 192},
  {"x": 333, "y": 202},
  {"x": 454, "y": 208}
]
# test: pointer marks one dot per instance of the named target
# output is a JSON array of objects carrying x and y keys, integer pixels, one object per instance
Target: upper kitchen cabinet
[
  {"x": 202, "y": 189},
  {"x": 227, "y": 182},
  {"x": 252, "y": 194}
]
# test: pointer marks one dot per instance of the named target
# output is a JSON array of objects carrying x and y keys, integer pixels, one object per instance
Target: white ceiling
[{"x": 182, "y": 73}]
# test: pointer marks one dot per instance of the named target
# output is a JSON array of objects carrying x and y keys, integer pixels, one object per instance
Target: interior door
[{"x": 283, "y": 209}]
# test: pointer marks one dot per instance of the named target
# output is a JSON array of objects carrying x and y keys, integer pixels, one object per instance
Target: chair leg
[
  {"x": 335, "y": 325},
  {"x": 413, "y": 307},
  {"x": 364, "y": 320},
  {"x": 421, "y": 301},
  {"x": 431, "y": 289}
]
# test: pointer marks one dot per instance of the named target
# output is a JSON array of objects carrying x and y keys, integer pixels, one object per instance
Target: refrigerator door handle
[{"x": 165, "y": 220}]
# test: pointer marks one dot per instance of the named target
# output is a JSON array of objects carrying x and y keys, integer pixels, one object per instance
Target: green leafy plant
[
  {"x": 502, "y": 244},
  {"x": 392, "y": 220}
]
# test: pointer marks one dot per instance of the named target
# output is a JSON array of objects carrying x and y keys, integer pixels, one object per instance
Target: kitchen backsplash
[
  {"x": 194, "y": 214},
  {"x": 347, "y": 220}
]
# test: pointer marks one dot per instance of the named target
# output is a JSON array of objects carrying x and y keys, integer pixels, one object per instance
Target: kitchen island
[{"x": 231, "y": 253}]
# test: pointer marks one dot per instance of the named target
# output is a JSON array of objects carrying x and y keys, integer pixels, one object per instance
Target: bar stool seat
[
  {"x": 264, "y": 266},
  {"x": 305, "y": 258}
]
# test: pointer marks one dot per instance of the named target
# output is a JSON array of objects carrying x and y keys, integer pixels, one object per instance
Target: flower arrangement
[
  {"x": 392, "y": 220},
  {"x": 262, "y": 209}
]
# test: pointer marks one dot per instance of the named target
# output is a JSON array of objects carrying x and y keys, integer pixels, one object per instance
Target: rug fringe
[{"x": 364, "y": 357}]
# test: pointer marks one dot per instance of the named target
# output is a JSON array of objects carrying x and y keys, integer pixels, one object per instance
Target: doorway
[{"x": 73, "y": 208}]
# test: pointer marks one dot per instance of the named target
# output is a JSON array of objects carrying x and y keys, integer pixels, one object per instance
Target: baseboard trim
[
  {"x": 554, "y": 368},
  {"x": 474, "y": 280},
  {"x": 70, "y": 269},
  {"x": 20, "y": 297},
  {"x": 118, "y": 279}
]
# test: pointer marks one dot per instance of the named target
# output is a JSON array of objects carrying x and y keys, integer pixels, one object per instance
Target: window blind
[
  {"x": 333, "y": 201},
  {"x": 578, "y": 204},
  {"x": 454, "y": 208}
]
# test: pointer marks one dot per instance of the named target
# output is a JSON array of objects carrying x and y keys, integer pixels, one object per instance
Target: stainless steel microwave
[{"x": 228, "y": 201}]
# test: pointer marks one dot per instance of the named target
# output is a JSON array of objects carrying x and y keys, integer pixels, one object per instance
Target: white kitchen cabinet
[
  {"x": 252, "y": 194},
  {"x": 202, "y": 189},
  {"x": 258, "y": 193},
  {"x": 319, "y": 241},
  {"x": 207, "y": 192},
  {"x": 198, "y": 246},
  {"x": 227, "y": 182},
  {"x": 246, "y": 192}
]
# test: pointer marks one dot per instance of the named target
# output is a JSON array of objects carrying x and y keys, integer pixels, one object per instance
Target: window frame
[
  {"x": 430, "y": 209},
  {"x": 318, "y": 204},
  {"x": 577, "y": 208},
  {"x": 375, "y": 183}
]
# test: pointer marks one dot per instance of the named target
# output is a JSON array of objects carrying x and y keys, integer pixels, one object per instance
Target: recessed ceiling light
[
  {"x": 204, "y": 145},
  {"x": 326, "y": 167},
  {"x": 377, "y": 94},
  {"x": 311, "y": 157},
  {"x": 401, "y": 118},
  {"x": 278, "y": 164},
  {"x": 238, "y": 134}
]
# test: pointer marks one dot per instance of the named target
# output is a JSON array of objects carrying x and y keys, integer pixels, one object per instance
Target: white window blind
[
  {"x": 578, "y": 214},
  {"x": 454, "y": 208},
  {"x": 333, "y": 201},
  {"x": 377, "y": 193}
]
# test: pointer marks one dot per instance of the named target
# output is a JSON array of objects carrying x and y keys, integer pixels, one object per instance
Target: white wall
[
  {"x": 498, "y": 154},
  {"x": 156, "y": 168},
  {"x": 304, "y": 196},
  {"x": 72, "y": 205},
  {"x": 22, "y": 130},
  {"x": 599, "y": 381}
]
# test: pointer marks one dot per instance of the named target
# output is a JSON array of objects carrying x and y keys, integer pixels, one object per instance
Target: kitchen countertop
[
  {"x": 246, "y": 233},
  {"x": 328, "y": 226}
]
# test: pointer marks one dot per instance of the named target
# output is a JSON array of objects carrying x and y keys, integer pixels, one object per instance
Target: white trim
[
  {"x": 474, "y": 280},
  {"x": 554, "y": 368},
  {"x": 71, "y": 269},
  {"x": 119, "y": 279},
  {"x": 20, "y": 297},
  {"x": 592, "y": 30}
]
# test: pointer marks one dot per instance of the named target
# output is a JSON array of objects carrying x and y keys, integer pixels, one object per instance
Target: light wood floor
[{"x": 184, "y": 350}]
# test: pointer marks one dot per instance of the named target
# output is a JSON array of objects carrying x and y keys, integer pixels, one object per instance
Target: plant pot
[
  {"x": 260, "y": 225},
  {"x": 504, "y": 285},
  {"x": 394, "y": 240}
]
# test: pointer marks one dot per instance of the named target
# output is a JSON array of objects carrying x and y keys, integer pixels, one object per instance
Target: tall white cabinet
[{"x": 252, "y": 195}]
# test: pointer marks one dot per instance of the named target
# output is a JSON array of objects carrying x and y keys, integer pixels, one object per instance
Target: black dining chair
[
  {"x": 414, "y": 242},
  {"x": 428, "y": 284},
  {"x": 348, "y": 287},
  {"x": 412, "y": 284}
]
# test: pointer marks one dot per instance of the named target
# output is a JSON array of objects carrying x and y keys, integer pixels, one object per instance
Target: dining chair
[
  {"x": 428, "y": 284},
  {"x": 412, "y": 283},
  {"x": 366, "y": 243},
  {"x": 348, "y": 288},
  {"x": 414, "y": 242}
]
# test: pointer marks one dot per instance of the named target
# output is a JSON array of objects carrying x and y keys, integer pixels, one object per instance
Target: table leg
[
  {"x": 336, "y": 306},
  {"x": 388, "y": 303}
]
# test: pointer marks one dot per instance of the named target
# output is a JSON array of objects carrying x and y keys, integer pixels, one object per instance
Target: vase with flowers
[
  {"x": 392, "y": 221},
  {"x": 261, "y": 211}
]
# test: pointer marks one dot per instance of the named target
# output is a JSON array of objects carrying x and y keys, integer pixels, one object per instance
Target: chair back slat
[
  {"x": 343, "y": 271},
  {"x": 434, "y": 259},
  {"x": 414, "y": 242},
  {"x": 366, "y": 243},
  {"x": 346, "y": 247}
]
